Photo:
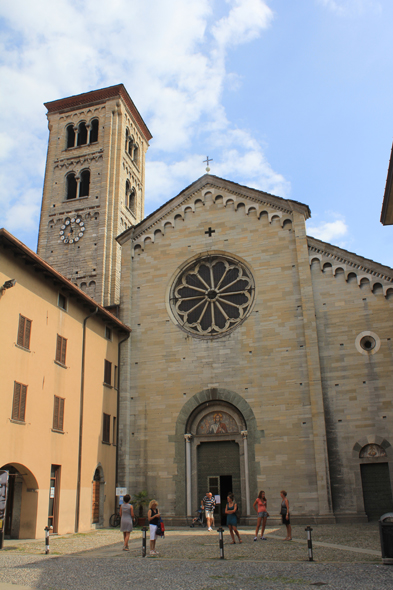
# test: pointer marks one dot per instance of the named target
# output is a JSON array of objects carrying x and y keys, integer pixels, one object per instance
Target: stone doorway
[
  {"x": 377, "y": 490},
  {"x": 98, "y": 497},
  {"x": 217, "y": 457},
  {"x": 218, "y": 467}
]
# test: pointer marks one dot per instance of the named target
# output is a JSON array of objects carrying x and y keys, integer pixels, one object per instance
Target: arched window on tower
[
  {"x": 136, "y": 153},
  {"x": 132, "y": 201},
  {"x": 84, "y": 185},
  {"x": 127, "y": 138},
  {"x": 71, "y": 186},
  {"x": 93, "y": 131},
  {"x": 70, "y": 136},
  {"x": 82, "y": 134},
  {"x": 128, "y": 190},
  {"x": 130, "y": 145}
]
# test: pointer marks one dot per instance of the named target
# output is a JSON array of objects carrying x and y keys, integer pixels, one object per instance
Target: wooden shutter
[
  {"x": 27, "y": 333},
  {"x": 19, "y": 402},
  {"x": 61, "y": 413},
  {"x": 24, "y": 330},
  {"x": 106, "y": 428},
  {"x": 63, "y": 351},
  {"x": 61, "y": 347},
  {"x": 58, "y": 349},
  {"x": 58, "y": 413},
  {"x": 108, "y": 373}
]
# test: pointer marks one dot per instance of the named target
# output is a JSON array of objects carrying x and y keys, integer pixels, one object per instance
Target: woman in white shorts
[{"x": 154, "y": 516}]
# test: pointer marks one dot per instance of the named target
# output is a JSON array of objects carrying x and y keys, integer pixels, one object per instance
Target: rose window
[{"x": 212, "y": 296}]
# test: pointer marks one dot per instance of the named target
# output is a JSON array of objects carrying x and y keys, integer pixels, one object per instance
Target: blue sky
[{"x": 294, "y": 98}]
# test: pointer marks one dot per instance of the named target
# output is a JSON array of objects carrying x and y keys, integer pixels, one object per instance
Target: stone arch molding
[
  {"x": 214, "y": 395},
  {"x": 378, "y": 283},
  {"x": 240, "y": 203},
  {"x": 372, "y": 439},
  {"x": 247, "y": 436}
]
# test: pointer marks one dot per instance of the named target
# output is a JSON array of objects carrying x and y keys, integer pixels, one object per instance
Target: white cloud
[
  {"x": 170, "y": 55},
  {"x": 328, "y": 231},
  {"x": 350, "y": 7}
]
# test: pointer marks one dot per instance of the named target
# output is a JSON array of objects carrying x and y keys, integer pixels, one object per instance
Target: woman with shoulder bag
[
  {"x": 126, "y": 520},
  {"x": 153, "y": 516},
  {"x": 285, "y": 515}
]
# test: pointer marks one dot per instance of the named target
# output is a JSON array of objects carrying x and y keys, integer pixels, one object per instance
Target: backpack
[{"x": 160, "y": 529}]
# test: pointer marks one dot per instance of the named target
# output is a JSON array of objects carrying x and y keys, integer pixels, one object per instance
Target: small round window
[
  {"x": 212, "y": 296},
  {"x": 367, "y": 343}
]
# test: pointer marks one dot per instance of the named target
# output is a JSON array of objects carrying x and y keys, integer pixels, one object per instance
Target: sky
[{"x": 292, "y": 98}]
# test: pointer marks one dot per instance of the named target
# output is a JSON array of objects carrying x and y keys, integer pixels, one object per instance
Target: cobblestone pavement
[{"x": 345, "y": 557}]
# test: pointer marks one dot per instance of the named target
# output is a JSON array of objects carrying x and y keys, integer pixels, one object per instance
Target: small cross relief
[{"x": 210, "y": 232}]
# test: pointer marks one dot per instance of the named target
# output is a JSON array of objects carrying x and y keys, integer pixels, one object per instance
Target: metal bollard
[
  {"x": 221, "y": 537},
  {"x": 309, "y": 542},
  {"x": 144, "y": 529},
  {"x": 47, "y": 529}
]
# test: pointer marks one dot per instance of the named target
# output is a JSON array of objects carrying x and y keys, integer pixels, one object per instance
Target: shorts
[
  {"x": 262, "y": 514},
  {"x": 285, "y": 520},
  {"x": 209, "y": 513},
  {"x": 153, "y": 531}
]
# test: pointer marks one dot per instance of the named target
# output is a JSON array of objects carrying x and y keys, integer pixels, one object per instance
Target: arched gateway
[{"x": 219, "y": 434}]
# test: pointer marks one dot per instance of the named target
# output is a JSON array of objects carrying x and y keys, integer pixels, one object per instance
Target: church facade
[{"x": 259, "y": 357}]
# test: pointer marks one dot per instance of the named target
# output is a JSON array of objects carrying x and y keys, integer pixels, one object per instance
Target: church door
[
  {"x": 377, "y": 490},
  {"x": 219, "y": 472}
]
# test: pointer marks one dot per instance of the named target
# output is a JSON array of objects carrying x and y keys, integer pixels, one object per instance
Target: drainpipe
[
  {"x": 118, "y": 412},
  {"x": 78, "y": 481}
]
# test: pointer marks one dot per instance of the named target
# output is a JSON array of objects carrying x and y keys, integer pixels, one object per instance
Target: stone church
[{"x": 259, "y": 357}]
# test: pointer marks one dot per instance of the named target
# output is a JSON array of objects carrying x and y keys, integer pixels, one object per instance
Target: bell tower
[{"x": 94, "y": 187}]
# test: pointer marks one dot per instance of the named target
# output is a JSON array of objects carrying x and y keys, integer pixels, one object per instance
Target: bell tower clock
[{"x": 94, "y": 187}]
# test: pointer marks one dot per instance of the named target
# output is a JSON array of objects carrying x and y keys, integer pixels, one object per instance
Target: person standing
[
  {"x": 153, "y": 516},
  {"x": 285, "y": 515},
  {"x": 260, "y": 506},
  {"x": 209, "y": 503},
  {"x": 230, "y": 511},
  {"x": 126, "y": 520}
]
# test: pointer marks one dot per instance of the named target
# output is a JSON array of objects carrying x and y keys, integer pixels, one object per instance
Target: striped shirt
[{"x": 209, "y": 503}]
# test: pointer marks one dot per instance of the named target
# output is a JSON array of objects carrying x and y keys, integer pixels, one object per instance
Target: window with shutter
[
  {"x": 114, "y": 432},
  {"x": 61, "y": 347},
  {"x": 19, "y": 402},
  {"x": 106, "y": 427},
  {"x": 58, "y": 413},
  {"x": 24, "y": 330},
  {"x": 108, "y": 373}
]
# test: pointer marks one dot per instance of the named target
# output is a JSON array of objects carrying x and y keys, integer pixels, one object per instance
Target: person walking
[
  {"x": 285, "y": 515},
  {"x": 260, "y": 506},
  {"x": 126, "y": 520},
  {"x": 230, "y": 511},
  {"x": 209, "y": 503},
  {"x": 153, "y": 516}
]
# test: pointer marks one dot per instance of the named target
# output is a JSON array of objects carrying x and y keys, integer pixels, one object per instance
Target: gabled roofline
[
  {"x": 19, "y": 249},
  {"x": 96, "y": 97},
  {"x": 350, "y": 258},
  {"x": 210, "y": 179}
]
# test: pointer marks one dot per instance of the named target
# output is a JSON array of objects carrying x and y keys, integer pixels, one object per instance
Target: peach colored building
[{"x": 59, "y": 356}]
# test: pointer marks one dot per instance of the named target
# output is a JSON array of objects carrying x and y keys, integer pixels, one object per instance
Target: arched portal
[
  {"x": 98, "y": 497},
  {"x": 189, "y": 436},
  {"x": 218, "y": 456},
  {"x": 22, "y": 502}
]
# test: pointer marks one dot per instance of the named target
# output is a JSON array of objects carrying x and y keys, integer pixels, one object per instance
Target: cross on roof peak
[{"x": 207, "y": 162}]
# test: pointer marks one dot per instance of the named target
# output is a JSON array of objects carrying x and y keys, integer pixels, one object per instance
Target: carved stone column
[
  {"x": 187, "y": 438},
  {"x": 244, "y": 434}
]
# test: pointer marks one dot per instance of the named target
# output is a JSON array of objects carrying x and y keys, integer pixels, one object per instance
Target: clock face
[{"x": 72, "y": 230}]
